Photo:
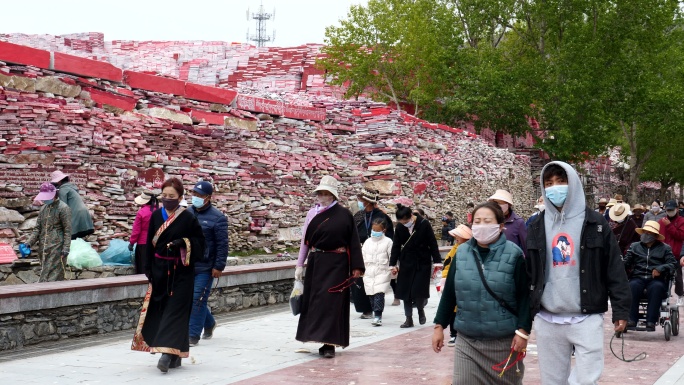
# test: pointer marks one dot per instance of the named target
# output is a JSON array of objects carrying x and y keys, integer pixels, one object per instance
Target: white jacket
[{"x": 376, "y": 256}]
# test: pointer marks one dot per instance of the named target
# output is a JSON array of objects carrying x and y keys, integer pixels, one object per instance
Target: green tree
[{"x": 395, "y": 51}]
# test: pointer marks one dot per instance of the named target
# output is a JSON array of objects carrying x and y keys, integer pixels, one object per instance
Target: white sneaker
[
  {"x": 377, "y": 321},
  {"x": 452, "y": 342}
]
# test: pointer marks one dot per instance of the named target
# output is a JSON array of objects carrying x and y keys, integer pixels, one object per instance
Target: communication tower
[{"x": 261, "y": 17}]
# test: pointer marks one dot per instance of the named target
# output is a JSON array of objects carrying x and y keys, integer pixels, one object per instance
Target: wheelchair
[{"x": 669, "y": 314}]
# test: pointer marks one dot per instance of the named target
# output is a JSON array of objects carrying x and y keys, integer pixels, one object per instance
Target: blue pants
[
  {"x": 201, "y": 317},
  {"x": 656, "y": 290}
]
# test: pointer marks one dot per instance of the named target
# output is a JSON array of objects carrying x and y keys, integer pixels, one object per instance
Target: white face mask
[
  {"x": 324, "y": 200},
  {"x": 504, "y": 208},
  {"x": 542, "y": 207},
  {"x": 655, "y": 209},
  {"x": 486, "y": 234}
]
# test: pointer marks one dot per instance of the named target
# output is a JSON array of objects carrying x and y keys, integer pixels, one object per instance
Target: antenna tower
[{"x": 261, "y": 17}]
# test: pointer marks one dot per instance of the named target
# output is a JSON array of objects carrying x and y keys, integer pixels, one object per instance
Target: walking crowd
[{"x": 503, "y": 277}]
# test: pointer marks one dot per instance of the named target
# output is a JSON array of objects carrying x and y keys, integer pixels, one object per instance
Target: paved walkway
[{"x": 258, "y": 347}]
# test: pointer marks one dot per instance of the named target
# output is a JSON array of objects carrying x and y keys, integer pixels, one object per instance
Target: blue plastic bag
[
  {"x": 24, "y": 250},
  {"x": 117, "y": 254}
]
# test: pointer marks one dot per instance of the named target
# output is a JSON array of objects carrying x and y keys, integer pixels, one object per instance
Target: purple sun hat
[{"x": 47, "y": 192}]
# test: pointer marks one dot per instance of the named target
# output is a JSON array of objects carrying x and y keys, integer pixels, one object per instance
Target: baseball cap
[{"x": 203, "y": 188}]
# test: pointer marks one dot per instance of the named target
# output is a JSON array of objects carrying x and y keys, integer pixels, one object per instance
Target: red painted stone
[
  {"x": 419, "y": 187},
  {"x": 273, "y": 107},
  {"x": 87, "y": 67},
  {"x": 124, "y": 102},
  {"x": 7, "y": 254},
  {"x": 209, "y": 117},
  {"x": 154, "y": 83},
  {"x": 20, "y": 54},
  {"x": 209, "y": 94}
]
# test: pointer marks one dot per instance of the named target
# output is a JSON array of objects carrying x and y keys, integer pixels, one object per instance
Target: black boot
[
  {"x": 421, "y": 316},
  {"x": 408, "y": 323},
  {"x": 164, "y": 363},
  {"x": 175, "y": 362}
]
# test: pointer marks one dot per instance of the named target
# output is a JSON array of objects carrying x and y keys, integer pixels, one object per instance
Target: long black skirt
[
  {"x": 324, "y": 316},
  {"x": 139, "y": 258},
  {"x": 166, "y": 327}
]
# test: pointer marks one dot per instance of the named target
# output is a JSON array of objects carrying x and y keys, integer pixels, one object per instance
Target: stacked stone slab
[{"x": 111, "y": 136}]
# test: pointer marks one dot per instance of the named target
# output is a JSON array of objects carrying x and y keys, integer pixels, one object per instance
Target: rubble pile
[{"x": 264, "y": 152}]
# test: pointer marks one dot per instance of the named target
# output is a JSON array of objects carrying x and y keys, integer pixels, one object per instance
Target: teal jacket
[
  {"x": 80, "y": 216},
  {"x": 478, "y": 314}
]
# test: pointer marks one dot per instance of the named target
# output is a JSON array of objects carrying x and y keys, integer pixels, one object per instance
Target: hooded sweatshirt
[{"x": 563, "y": 231}]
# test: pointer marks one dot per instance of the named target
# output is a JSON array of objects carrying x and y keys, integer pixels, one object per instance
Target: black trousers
[{"x": 361, "y": 302}]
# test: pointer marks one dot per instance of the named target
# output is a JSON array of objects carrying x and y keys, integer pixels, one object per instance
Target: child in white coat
[{"x": 376, "y": 280}]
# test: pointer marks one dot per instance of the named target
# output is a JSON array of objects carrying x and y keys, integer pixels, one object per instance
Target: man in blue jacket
[{"x": 215, "y": 226}]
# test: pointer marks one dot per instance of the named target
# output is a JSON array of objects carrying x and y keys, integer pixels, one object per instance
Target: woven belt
[{"x": 338, "y": 250}]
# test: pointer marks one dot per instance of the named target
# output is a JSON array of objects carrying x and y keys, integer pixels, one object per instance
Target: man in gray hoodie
[{"x": 575, "y": 265}]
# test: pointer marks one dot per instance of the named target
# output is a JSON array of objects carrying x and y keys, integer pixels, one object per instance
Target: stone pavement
[{"x": 258, "y": 347}]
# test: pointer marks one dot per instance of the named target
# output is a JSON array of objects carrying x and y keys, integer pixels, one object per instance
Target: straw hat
[
  {"x": 638, "y": 206},
  {"x": 329, "y": 184},
  {"x": 619, "y": 212},
  {"x": 502, "y": 195},
  {"x": 618, "y": 198},
  {"x": 603, "y": 200},
  {"x": 462, "y": 231},
  {"x": 611, "y": 202},
  {"x": 47, "y": 192},
  {"x": 57, "y": 176},
  {"x": 652, "y": 227},
  {"x": 369, "y": 195},
  {"x": 143, "y": 198}
]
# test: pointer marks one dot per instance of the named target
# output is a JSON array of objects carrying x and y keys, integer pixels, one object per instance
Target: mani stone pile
[{"x": 263, "y": 156}]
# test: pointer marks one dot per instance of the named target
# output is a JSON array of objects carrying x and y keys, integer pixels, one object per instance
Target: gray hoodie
[{"x": 563, "y": 231}]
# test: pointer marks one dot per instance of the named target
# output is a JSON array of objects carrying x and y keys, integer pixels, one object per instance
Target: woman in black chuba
[
  {"x": 174, "y": 240},
  {"x": 415, "y": 248},
  {"x": 331, "y": 247}
]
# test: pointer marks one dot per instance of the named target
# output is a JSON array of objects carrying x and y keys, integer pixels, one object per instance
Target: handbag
[
  {"x": 296, "y": 297},
  {"x": 501, "y": 302}
]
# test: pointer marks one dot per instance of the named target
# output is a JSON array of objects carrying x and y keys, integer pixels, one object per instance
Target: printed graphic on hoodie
[{"x": 563, "y": 245}]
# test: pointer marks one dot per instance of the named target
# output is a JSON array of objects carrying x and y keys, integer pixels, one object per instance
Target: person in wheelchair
[{"x": 651, "y": 263}]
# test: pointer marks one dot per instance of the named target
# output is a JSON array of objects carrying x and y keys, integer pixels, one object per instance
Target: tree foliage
[{"x": 593, "y": 73}]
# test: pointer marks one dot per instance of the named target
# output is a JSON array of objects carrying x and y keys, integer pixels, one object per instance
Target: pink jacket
[{"x": 141, "y": 225}]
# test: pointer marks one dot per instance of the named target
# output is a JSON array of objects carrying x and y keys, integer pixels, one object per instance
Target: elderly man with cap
[
  {"x": 331, "y": 248},
  {"x": 623, "y": 226},
  {"x": 515, "y": 229},
  {"x": 215, "y": 228},
  {"x": 81, "y": 221},
  {"x": 672, "y": 227},
  {"x": 603, "y": 202},
  {"x": 651, "y": 263},
  {"x": 368, "y": 211},
  {"x": 52, "y": 234},
  {"x": 638, "y": 214}
]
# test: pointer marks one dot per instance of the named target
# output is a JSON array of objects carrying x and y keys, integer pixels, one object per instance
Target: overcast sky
[{"x": 296, "y": 21}]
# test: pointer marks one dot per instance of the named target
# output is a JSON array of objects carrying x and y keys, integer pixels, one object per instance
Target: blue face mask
[
  {"x": 557, "y": 194},
  {"x": 361, "y": 205},
  {"x": 49, "y": 201},
  {"x": 197, "y": 201},
  {"x": 376, "y": 234}
]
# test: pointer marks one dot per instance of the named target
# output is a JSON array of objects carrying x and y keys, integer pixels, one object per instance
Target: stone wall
[
  {"x": 23, "y": 329},
  {"x": 23, "y": 271}
]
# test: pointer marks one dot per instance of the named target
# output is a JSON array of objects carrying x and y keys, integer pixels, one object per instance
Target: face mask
[
  {"x": 324, "y": 200},
  {"x": 376, "y": 234},
  {"x": 542, "y": 208},
  {"x": 655, "y": 209},
  {"x": 671, "y": 213},
  {"x": 504, "y": 208},
  {"x": 49, "y": 201},
  {"x": 647, "y": 238},
  {"x": 197, "y": 202},
  {"x": 361, "y": 206},
  {"x": 170, "y": 204},
  {"x": 557, "y": 194},
  {"x": 486, "y": 234},
  {"x": 409, "y": 224}
]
